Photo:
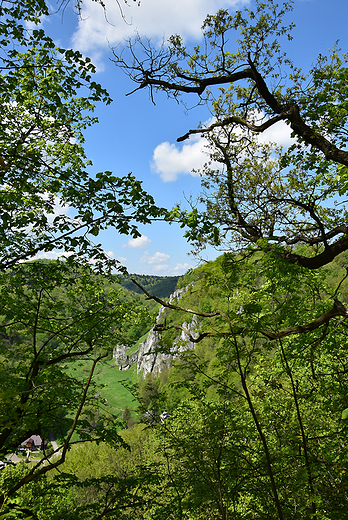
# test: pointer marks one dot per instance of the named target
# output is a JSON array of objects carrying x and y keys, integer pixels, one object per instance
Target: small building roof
[{"x": 36, "y": 439}]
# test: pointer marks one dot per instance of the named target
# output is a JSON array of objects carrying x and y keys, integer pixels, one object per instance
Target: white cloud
[
  {"x": 158, "y": 258},
  {"x": 57, "y": 209},
  {"x": 169, "y": 160},
  {"x": 280, "y": 133},
  {"x": 30, "y": 26},
  {"x": 121, "y": 259},
  {"x": 54, "y": 255},
  {"x": 154, "y": 19},
  {"x": 138, "y": 243},
  {"x": 182, "y": 267},
  {"x": 160, "y": 268},
  {"x": 51, "y": 255}
]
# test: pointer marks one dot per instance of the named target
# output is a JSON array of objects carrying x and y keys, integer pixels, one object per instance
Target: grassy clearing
[
  {"x": 116, "y": 382},
  {"x": 112, "y": 382}
]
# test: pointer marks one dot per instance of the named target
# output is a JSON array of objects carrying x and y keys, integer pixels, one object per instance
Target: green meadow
[{"x": 113, "y": 384}]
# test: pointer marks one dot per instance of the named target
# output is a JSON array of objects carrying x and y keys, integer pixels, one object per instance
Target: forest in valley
[
  {"x": 248, "y": 420},
  {"x": 160, "y": 286}
]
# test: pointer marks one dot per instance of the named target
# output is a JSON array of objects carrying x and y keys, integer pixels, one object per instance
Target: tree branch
[
  {"x": 200, "y": 83},
  {"x": 236, "y": 120},
  {"x": 321, "y": 259},
  {"x": 33, "y": 474},
  {"x": 177, "y": 307},
  {"x": 338, "y": 310}
]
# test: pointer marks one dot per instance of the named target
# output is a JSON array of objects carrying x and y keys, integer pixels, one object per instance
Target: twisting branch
[
  {"x": 235, "y": 120},
  {"x": 338, "y": 310},
  {"x": 311, "y": 240},
  {"x": 194, "y": 84},
  {"x": 163, "y": 79},
  {"x": 177, "y": 307},
  {"x": 193, "y": 339},
  {"x": 321, "y": 259}
]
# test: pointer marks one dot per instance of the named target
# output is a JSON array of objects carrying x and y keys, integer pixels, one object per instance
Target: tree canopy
[
  {"x": 52, "y": 315},
  {"x": 287, "y": 197},
  {"x": 49, "y": 200}
]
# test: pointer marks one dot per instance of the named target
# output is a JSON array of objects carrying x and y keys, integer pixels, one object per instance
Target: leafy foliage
[
  {"x": 55, "y": 313},
  {"x": 256, "y": 196},
  {"x": 262, "y": 432},
  {"x": 51, "y": 315},
  {"x": 48, "y": 199},
  {"x": 258, "y": 410}
]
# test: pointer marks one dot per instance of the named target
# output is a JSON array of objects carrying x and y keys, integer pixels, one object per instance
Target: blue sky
[{"x": 133, "y": 135}]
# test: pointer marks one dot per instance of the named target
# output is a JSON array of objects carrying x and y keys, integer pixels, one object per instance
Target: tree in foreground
[
  {"x": 286, "y": 198},
  {"x": 53, "y": 315},
  {"x": 48, "y": 199},
  {"x": 281, "y": 332}
]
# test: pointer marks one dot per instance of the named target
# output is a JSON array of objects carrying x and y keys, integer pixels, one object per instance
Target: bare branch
[
  {"x": 236, "y": 120},
  {"x": 177, "y": 307},
  {"x": 33, "y": 474}
]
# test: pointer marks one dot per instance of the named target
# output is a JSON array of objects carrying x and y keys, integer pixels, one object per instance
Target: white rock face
[
  {"x": 148, "y": 357},
  {"x": 183, "y": 342},
  {"x": 122, "y": 358},
  {"x": 119, "y": 354}
]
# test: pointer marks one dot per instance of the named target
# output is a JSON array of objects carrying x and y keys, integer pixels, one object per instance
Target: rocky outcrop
[
  {"x": 119, "y": 354},
  {"x": 122, "y": 358},
  {"x": 150, "y": 357}
]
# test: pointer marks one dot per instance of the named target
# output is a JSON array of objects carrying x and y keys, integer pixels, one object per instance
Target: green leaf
[{"x": 344, "y": 415}]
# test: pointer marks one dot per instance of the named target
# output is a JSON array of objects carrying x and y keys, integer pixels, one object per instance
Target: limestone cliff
[
  {"x": 123, "y": 359},
  {"x": 149, "y": 358}
]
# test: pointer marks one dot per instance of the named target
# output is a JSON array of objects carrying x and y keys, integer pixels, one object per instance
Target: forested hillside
[
  {"x": 236, "y": 407},
  {"x": 220, "y": 397},
  {"x": 161, "y": 286}
]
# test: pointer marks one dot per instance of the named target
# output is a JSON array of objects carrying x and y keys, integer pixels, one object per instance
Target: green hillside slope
[{"x": 161, "y": 286}]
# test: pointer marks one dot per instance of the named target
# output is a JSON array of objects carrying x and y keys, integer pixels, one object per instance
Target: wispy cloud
[
  {"x": 138, "y": 243},
  {"x": 157, "y": 258},
  {"x": 157, "y": 20}
]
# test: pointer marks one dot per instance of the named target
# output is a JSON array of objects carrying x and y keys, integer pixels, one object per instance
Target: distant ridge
[{"x": 160, "y": 286}]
